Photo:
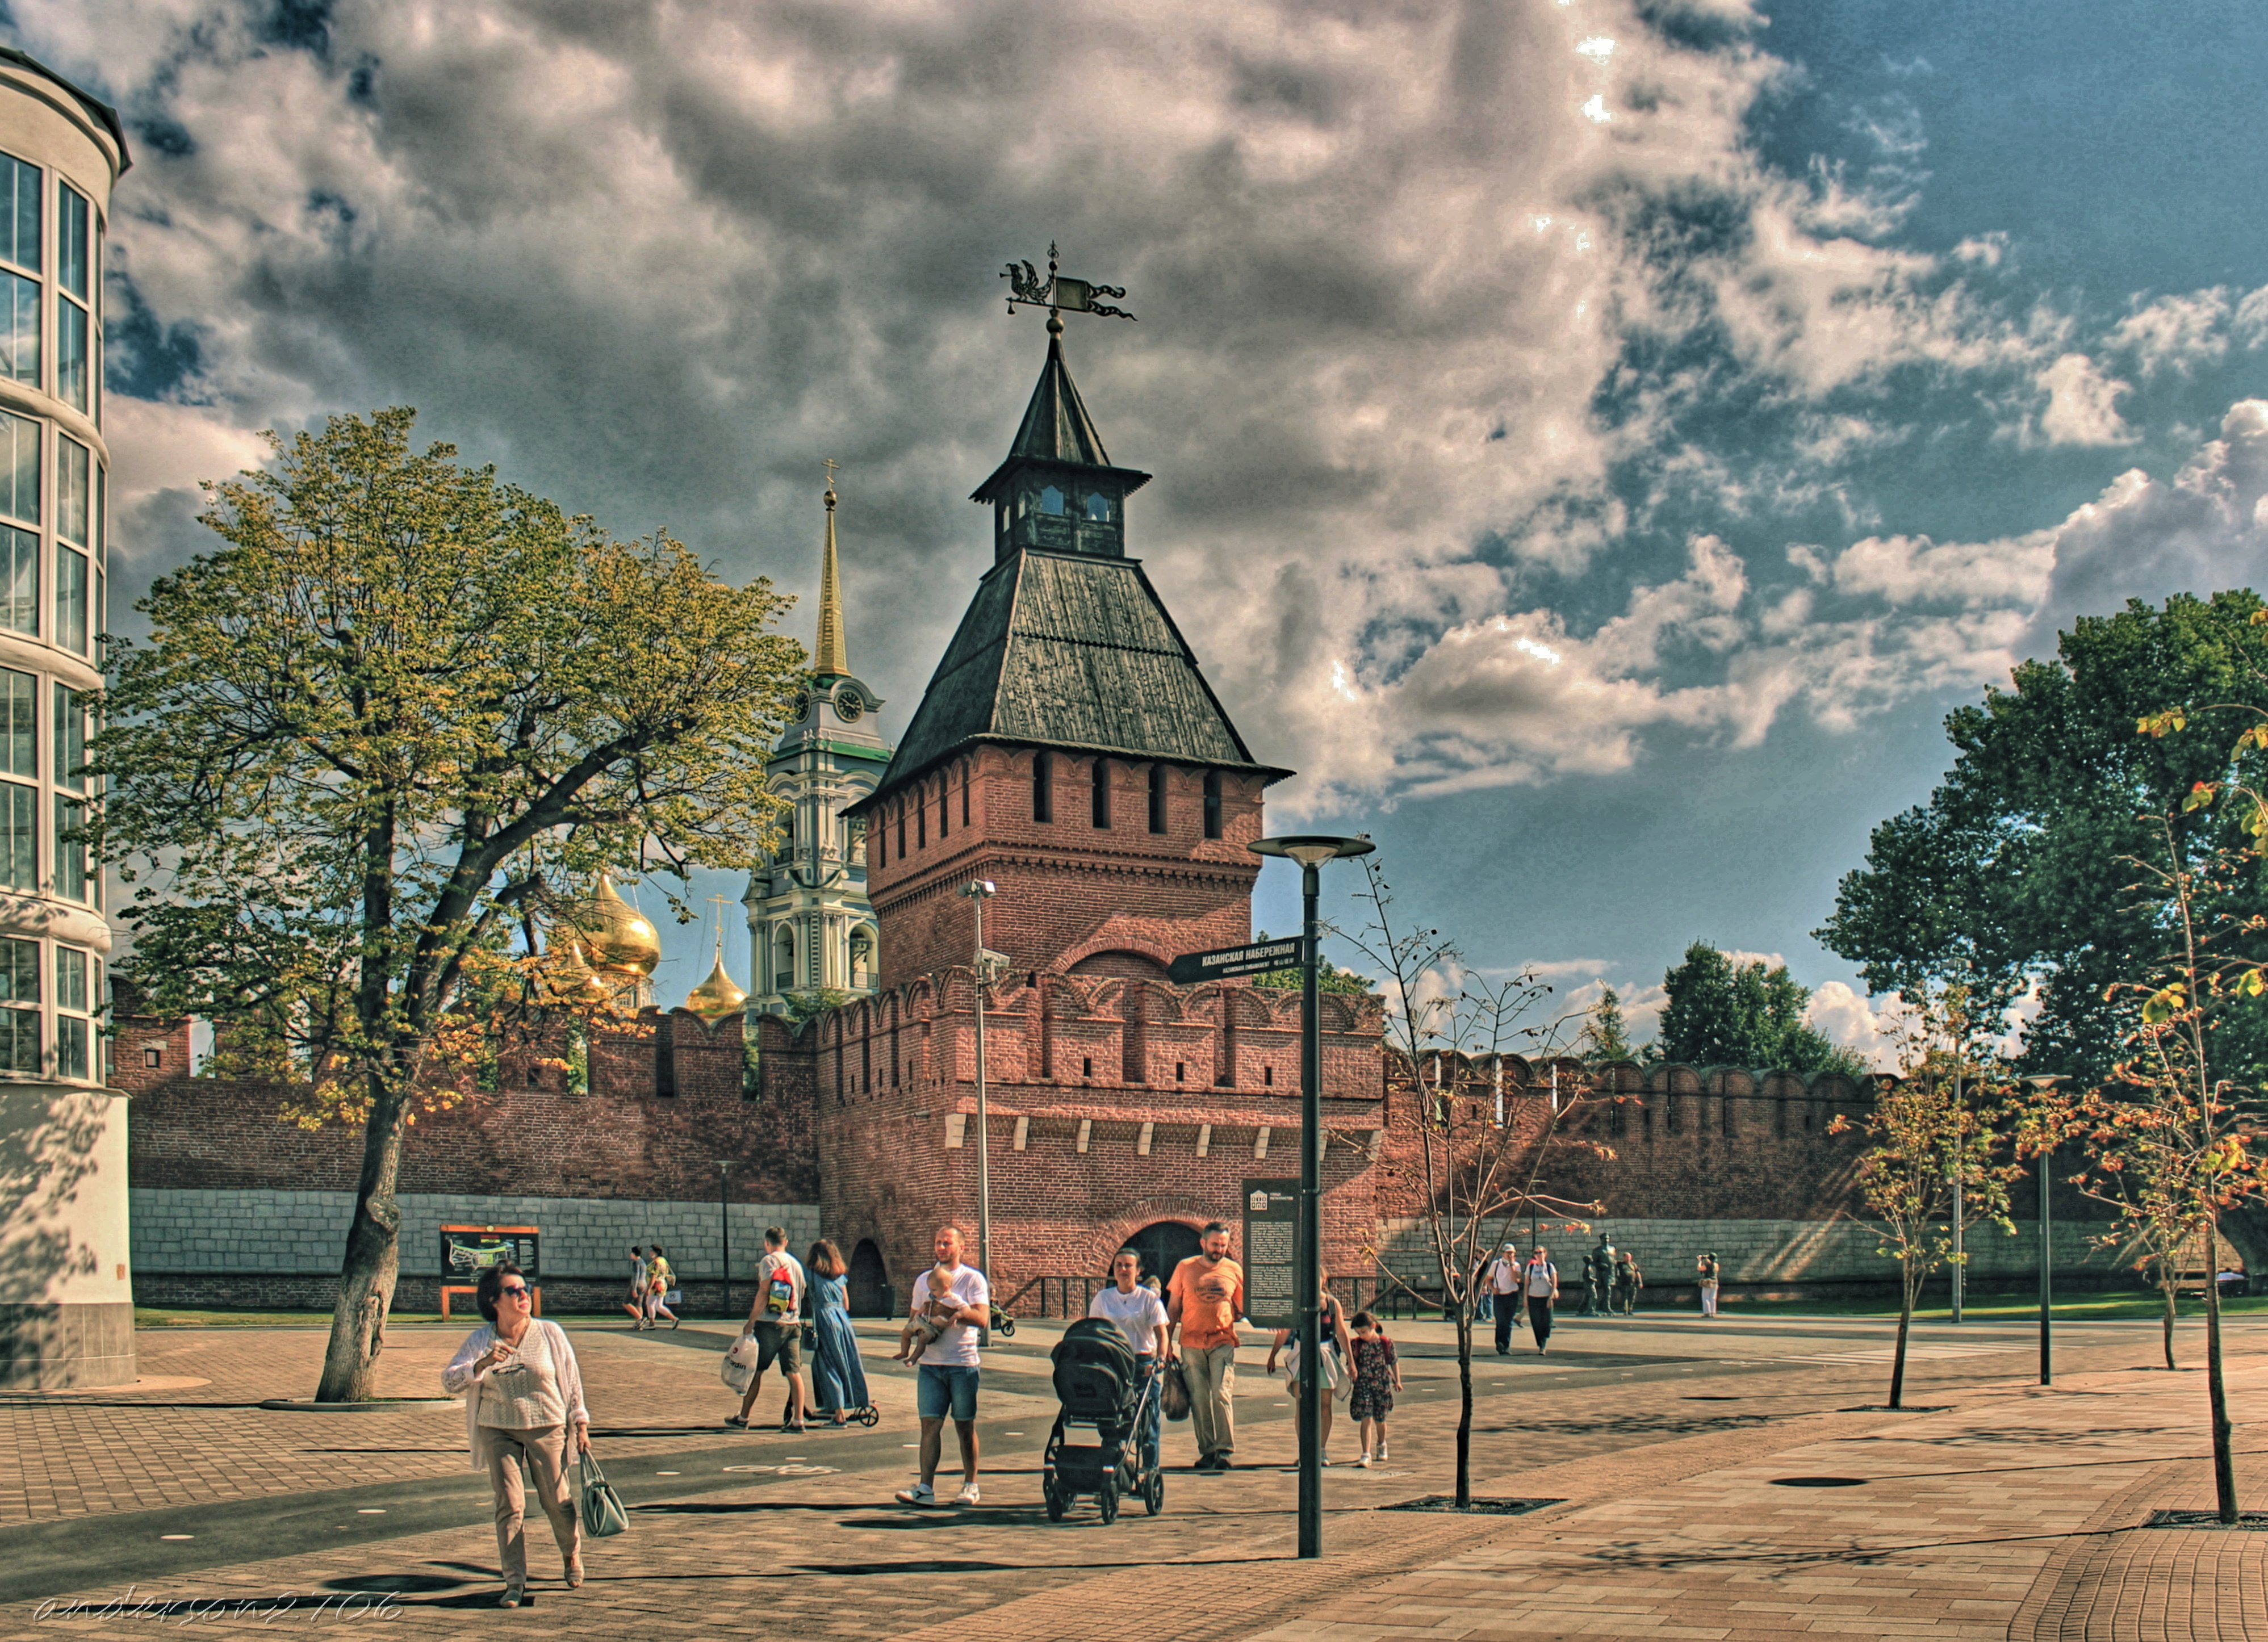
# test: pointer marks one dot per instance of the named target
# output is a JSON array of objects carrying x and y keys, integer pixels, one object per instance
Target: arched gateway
[
  {"x": 870, "y": 1293},
  {"x": 1163, "y": 1246}
]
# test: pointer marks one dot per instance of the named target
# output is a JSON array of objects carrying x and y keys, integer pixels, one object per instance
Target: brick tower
[{"x": 1068, "y": 746}]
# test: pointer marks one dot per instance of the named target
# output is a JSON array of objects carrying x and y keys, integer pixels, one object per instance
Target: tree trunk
[
  {"x": 1905, "y": 1321},
  {"x": 1465, "y": 1410},
  {"x": 2171, "y": 1312},
  {"x": 2224, "y": 1466},
  {"x": 372, "y": 1262}
]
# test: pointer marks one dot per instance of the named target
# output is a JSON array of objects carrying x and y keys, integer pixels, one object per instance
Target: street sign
[
  {"x": 1271, "y": 1221},
  {"x": 1256, "y": 958}
]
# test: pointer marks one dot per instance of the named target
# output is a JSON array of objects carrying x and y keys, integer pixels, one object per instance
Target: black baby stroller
[{"x": 1097, "y": 1387}]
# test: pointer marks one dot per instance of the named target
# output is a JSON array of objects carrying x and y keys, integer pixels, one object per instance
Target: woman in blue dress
[{"x": 839, "y": 1383}]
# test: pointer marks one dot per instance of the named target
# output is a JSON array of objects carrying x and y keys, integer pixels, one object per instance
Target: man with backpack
[
  {"x": 1540, "y": 1281},
  {"x": 1501, "y": 1284},
  {"x": 776, "y": 1319}
]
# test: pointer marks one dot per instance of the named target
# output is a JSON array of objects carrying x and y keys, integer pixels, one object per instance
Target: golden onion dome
[
  {"x": 716, "y": 996},
  {"x": 570, "y": 980},
  {"x": 613, "y": 935}
]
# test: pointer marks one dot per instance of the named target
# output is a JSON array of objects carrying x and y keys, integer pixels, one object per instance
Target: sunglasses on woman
[{"x": 517, "y": 1289}]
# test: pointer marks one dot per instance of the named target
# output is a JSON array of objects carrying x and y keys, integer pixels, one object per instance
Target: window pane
[
  {"x": 70, "y": 599},
  {"x": 20, "y": 1041},
  {"x": 19, "y": 971},
  {"x": 71, "y": 737},
  {"x": 20, "y": 212},
  {"x": 20, "y": 720},
  {"x": 70, "y": 850},
  {"x": 70, "y": 979},
  {"x": 19, "y": 329},
  {"x": 70, "y": 354},
  {"x": 19, "y": 467},
  {"x": 19, "y": 837},
  {"x": 71, "y": 1046},
  {"x": 99, "y": 608},
  {"x": 74, "y": 471},
  {"x": 70, "y": 242},
  {"x": 19, "y": 579},
  {"x": 101, "y": 519}
]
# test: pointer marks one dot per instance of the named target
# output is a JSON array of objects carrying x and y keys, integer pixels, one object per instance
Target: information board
[
  {"x": 1271, "y": 1240},
  {"x": 469, "y": 1250}
]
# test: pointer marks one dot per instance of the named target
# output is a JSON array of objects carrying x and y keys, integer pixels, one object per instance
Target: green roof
[
  {"x": 1056, "y": 430},
  {"x": 1072, "y": 651}
]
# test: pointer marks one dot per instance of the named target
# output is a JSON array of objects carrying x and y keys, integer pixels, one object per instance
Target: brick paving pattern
[{"x": 1973, "y": 1522}]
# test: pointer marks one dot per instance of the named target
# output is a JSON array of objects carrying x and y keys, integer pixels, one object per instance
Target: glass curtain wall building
[{"x": 66, "y": 1289}]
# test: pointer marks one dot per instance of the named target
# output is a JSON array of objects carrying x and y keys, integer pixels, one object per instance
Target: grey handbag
[{"x": 602, "y": 1507}]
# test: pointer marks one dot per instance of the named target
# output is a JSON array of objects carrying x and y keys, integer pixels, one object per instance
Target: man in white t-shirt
[
  {"x": 1141, "y": 1317},
  {"x": 1540, "y": 1279},
  {"x": 958, "y": 1297},
  {"x": 775, "y": 1319},
  {"x": 1501, "y": 1284}
]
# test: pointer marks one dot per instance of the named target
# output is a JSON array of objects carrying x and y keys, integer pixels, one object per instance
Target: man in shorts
[
  {"x": 775, "y": 1319},
  {"x": 957, "y": 1296}
]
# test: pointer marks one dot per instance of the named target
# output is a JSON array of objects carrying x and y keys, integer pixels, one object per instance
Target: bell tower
[
  {"x": 1068, "y": 746},
  {"x": 810, "y": 926}
]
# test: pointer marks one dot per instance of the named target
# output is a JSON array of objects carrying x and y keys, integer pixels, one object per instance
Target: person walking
[
  {"x": 523, "y": 1396},
  {"x": 1540, "y": 1280},
  {"x": 776, "y": 1319},
  {"x": 1501, "y": 1284},
  {"x": 635, "y": 1304},
  {"x": 1377, "y": 1377},
  {"x": 1206, "y": 1297},
  {"x": 957, "y": 1296},
  {"x": 1709, "y": 1271},
  {"x": 1628, "y": 1281},
  {"x": 1598, "y": 1280},
  {"x": 838, "y": 1380},
  {"x": 1337, "y": 1353},
  {"x": 659, "y": 1279},
  {"x": 1141, "y": 1317}
]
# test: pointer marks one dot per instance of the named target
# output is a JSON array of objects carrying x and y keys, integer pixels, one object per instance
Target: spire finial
[
  {"x": 831, "y": 656},
  {"x": 1059, "y": 292}
]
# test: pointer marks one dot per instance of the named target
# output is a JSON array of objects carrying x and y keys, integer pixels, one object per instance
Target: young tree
[
  {"x": 1473, "y": 1173},
  {"x": 2168, "y": 1139},
  {"x": 1944, "y": 1120},
  {"x": 401, "y": 712}
]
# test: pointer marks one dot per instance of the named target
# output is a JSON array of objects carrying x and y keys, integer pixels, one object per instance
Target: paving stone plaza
[{"x": 1732, "y": 1479}]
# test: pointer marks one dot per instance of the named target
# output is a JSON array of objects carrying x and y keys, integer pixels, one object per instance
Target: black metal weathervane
[{"x": 1058, "y": 293}]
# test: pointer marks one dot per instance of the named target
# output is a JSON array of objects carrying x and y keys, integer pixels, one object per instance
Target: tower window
[
  {"x": 881, "y": 844},
  {"x": 1102, "y": 793},
  {"x": 1098, "y": 508},
  {"x": 967, "y": 778},
  {"x": 902, "y": 828},
  {"x": 1157, "y": 798},
  {"x": 945, "y": 805},
  {"x": 1212, "y": 804},
  {"x": 921, "y": 820},
  {"x": 1051, "y": 502},
  {"x": 1043, "y": 779}
]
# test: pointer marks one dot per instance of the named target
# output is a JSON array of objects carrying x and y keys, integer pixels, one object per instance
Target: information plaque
[{"x": 1271, "y": 1233}]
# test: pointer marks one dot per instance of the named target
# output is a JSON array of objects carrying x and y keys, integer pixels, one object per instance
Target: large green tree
[
  {"x": 2016, "y": 879},
  {"x": 1722, "y": 1013},
  {"x": 398, "y": 712}
]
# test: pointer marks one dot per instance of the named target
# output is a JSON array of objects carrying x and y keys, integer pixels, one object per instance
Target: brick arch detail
[
  {"x": 1114, "y": 1232},
  {"x": 1113, "y": 941}
]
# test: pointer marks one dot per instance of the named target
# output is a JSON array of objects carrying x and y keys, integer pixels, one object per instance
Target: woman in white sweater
[{"x": 523, "y": 1393}]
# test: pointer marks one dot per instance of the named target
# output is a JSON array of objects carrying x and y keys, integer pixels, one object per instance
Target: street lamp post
[
  {"x": 979, "y": 892},
  {"x": 1960, "y": 1168},
  {"x": 1310, "y": 852},
  {"x": 2047, "y": 1244},
  {"x": 725, "y": 1226}
]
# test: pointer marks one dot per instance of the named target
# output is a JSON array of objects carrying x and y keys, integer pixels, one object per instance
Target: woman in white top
[
  {"x": 523, "y": 1392},
  {"x": 1338, "y": 1354},
  {"x": 1141, "y": 1317}
]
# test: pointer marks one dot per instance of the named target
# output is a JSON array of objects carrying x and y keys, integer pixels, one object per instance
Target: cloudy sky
[{"x": 1596, "y": 440}]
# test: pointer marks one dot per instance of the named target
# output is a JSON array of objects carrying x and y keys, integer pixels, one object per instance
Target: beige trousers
[
  {"x": 1212, "y": 1387},
  {"x": 546, "y": 1448}
]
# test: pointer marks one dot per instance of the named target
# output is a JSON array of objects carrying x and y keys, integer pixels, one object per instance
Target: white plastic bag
[{"x": 735, "y": 1375}]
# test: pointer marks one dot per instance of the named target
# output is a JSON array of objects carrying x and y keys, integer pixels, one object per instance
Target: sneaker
[
  {"x": 966, "y": 1496},
  {"x": 920, "y": 1494},
  {"x": 1364, "y": 1462},
  {"x": 1381, "y": 1448},
  {"x": 736, "y": 1421},
  {"x": 511, "y": 1597}
]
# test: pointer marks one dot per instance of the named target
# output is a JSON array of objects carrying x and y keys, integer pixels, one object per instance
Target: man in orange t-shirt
[{"x": 1206, "y": 1297}]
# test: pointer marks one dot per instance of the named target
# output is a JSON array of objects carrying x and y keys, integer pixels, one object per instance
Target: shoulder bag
[{"x": 603, "y": 1514}]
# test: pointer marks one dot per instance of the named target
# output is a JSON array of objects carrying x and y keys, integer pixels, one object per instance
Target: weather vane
[{"x": 1058, "y": 293}]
